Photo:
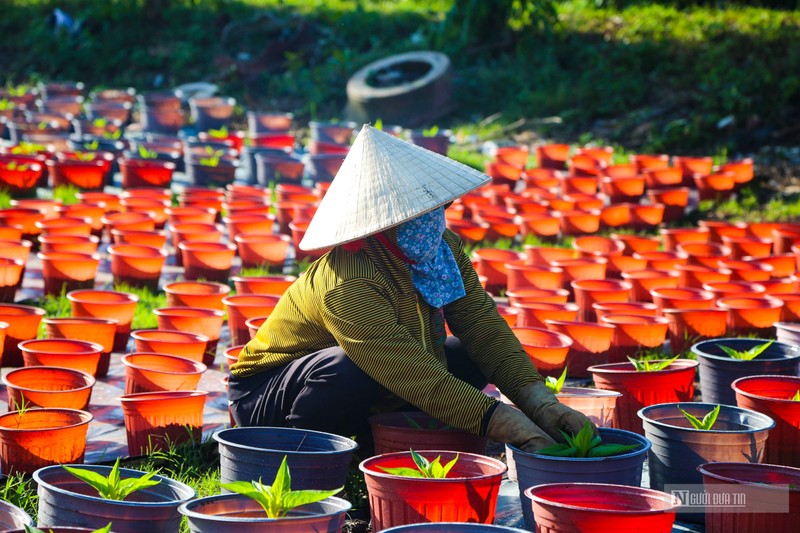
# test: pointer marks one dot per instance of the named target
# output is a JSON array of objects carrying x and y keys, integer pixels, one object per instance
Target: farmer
[{"x": 363, "y": 330}]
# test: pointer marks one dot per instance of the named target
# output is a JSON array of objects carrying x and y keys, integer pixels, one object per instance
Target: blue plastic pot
[
  {"x": 718, "y": 370},
  {"x": 235, "y": 513},
  {"x": 316, "y": 460},
  {"x": 624, "y": 469}
]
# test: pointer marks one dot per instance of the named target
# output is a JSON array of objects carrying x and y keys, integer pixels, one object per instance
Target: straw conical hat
[{"x": 383, "y": 182}]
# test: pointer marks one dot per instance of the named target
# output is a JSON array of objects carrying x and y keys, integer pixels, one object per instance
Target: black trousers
[{"x": 325, "y": 391}]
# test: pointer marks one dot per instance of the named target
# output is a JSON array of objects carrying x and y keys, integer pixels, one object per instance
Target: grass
[{"x": 143, "y": 317}]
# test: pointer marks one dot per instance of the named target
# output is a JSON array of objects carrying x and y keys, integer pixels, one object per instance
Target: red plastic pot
[
  {"x": 640, "y": 389},
  {"x": 65, "y": 225},
  {"x": 275, "y": 285},
  {"x": 734, "y": 288},
  {"x": 672, "y": 237},
  {"x": 11, "y": 274},
  {"x": 145, "y": 172},
  {"x": 85, "y": 175},
  {"x": 552, "y": 156},
  {"x": 636, "y": 243},
  {"x": 415, "y": 430},
  {"x": 674, "y": 201},
  {"x": 156, "y": 421},
  {"x": 783, "y": 265},
  {"x": 590, "y": 344},
  {"x": 662, "y": 260},
  {"x": 153, "y": 372},
  {"x": 155, "y": 238},
  {"x": 720, "y": 228},
  {"x": 48, "y": 386},
  {"x": 682, "y": 298},
  {"x": 248, "y": 223},
  {"x": 590, "y": 507},
  {"x": 468, "y": 494},
  {"x": 97, "y": 330},
  {"x": 66, "y": 353},
  {"x": 243, "y": 306},
  {"x": 708, "y": 254},
  {"x": 193, "y": 231},
  {"x": 747, "y": 246},
  {"x": 119, "y": 306},
  {"x": 592, "y": 246},
  {"x": 533, "y": 314},
  {"x": 582, "y": 268},
  {"x": 197, "y": 320},
  {"x": 633, "y": 333},
  {"x": 529, "y": 295},
  {"x": 210, "y": 261},
  {"x": 22, "y": 323},
  {"x": 772, "y": 396},
  {"x": 256, "y": 249},
  {"x": 172, "y": 342},
  {"x": 547, "y": 349},
  {"x": 751, "y": 315},
  {"x": 202, "y": 294},
  {"x": 69, "y": 243},
  {"x": 578, "y": 222},
  {"x": 591, "y": 291},
  {"x": 137, "y": 265},
  {"x": 532, "y": 276},
  {"x": 644, "y": 281},
  {"x": 696, "y": 276},
  {"x": 536, "y": 255},
  {"x": 689, "y": 326},
  {"x": 625, "y": 308},
  {"x": 68, "y": 271}
]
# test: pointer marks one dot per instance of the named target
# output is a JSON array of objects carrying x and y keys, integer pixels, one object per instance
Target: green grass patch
[{"x": 143, "y": 317}]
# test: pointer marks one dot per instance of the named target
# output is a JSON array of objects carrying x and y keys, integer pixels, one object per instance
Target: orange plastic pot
[
  {"x": 696, "y": 276},
  {"x": 761, "y": 230},
  {"x": 682, "y": 298},
  {"x": 625, "y": 308},
  {"x": 232, "y": 355},
  {"x": 11, "y": 274},
  {"x": 468, "y": 230},
  {"x": 742, "y": 170},
  {"x": 791, "y": 307},
  {"x": 718, "y": 228},
  {"x": 580, "y": 269},
  {"x": 633, "y": 333},
  {"x": 751, "y": 315},
  {"x": 547, "y": 349},
  {"x": 193, "y": 231},
  {"x": 536, "y": 255},
  {"x": 145, "y": 172},
  {"x": 69, "y": 243},
  {"x": 648, "y": 216},
  {"x": 129, "y": 221},
  {"x": 785, "y": 237},
  {"x": 189, "y": 214},
  {"x": 783, "y": 265},
  {"x": 155, "y": 238},
  {"x": 468, "y": 494},
  {"x": 639, "y": 389},
  {"x": 532, "y": 276},
  {"x": 625, "y": 189},
  {"x": 778, "y": 286},
  {"x": 694, "y": 165},
  {"x": 552, "y": 156},
  {"x": 528, "y": 295},
  {"x": 752, "y": 271},
  {"x": 298, "y": 230},
  {"x": 202, "y": 294},
  {"x": 248, "y": 223},
  {"x": 617, "y": 264},
  {"x": 636, "y": 244},
  {"x": 24, "y": 218},
  {"x": 197, "y": 320},
  {"x": 625, "y": 170},
  {"x": 111, "y": 201},
  {"x": 257, "y": 249},
  {"x": 243, "y": 306},
  {"x": 48, "y": 386},
  {"x": 137, "y": 265},
  {"x": 708, "y": 254},
  {"x": 675, "y": 200},
  {"x": 254, "y": 324},
  {"x": 646, "y": 162},
  {"x": 66, "y": 353},
  {"x": 65, "y": 226},
  {"x": 119, "y": 306},
  {"x": 513, "y": 155},
  {"x": 155, "y": 421},
  {"x": 153, "y": 206},
  {"x": 275, "y": 285},
  {"x": 210, "y": 261},
  {"x": 153, "y": 372},
  {"x": 672, "y": 237},
  {"x": 97, "y": 330},
  {"x": 590, "y": 344},
  {"x": 615, "y": 215},
  {"x": 507, "y": 312},
  {"x": 534, "y": 314},
  {"x": 579, "y": 185},
  {"x": 643, "y": 281},
  {"x": 42, "y": 437},
  {"x": 734, "y": 288},
  {"x": 599, "y": 406},
  {"x": 661, "y": 260},
  {"x": 590, "y": 291},
  {"x": 190, "y": 346},
  {"x": 578, "y": 222},
  {"x": 85, "y": 175},
  {"x": 492, "y": 264},
  {"x": 22, "y": 323},
  {"x": 714, "y": 186},
  {"x": 68, "y": 271},
  {"x": 594, "y": 246},
  {"x": 663, "y": 178},
  {"x": 414, "y": 430},
  {"x": 690, "y": 326},
  {"x": 747, "y": 246}
]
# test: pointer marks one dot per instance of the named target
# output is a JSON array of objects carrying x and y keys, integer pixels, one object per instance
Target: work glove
[
  {"x": 511, "y": 426},
  {"x": 543, "y": 408}
]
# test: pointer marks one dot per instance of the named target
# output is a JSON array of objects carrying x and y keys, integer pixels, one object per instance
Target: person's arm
[{"x": 362, "y": 317}]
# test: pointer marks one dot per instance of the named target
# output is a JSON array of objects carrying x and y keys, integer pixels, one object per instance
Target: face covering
[{"x": 435, "y": 273}]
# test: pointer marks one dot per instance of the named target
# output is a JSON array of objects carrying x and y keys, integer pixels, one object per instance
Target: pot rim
[
  {"x": 89, "y": 379},
  {"x": 220, "y": 435},
  {"x": 642, "y": 413},
  {"x": 635, "y": 437},
  {"x": 706, "y": 469},
  {"x": 626, "y": 367},
  {"x": 772, "y": 377},
  {"x": 793, "y": 351},
  {"x": 529, "y": 492},
  {"x": 185, "y": 510},
  {"x": 83, "y": 418},
  {"x": 501, "y": 467}
]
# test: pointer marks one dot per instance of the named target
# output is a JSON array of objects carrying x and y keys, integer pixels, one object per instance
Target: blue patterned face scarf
[{"x": 435, "y": 273}]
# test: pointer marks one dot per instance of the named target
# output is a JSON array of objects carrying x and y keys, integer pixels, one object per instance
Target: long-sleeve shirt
[{"x": 366, "y": 303}]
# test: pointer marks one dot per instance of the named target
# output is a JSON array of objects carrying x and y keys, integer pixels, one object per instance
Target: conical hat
[{"x": 383, "y": 182}]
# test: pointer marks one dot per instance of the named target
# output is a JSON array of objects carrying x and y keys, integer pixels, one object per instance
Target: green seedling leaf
[
  {"x": 6, "y": 104},
  {"x": 144, "y": 153},
  {"x": 430, "y": 132},
  {"x": 647, "y": 365},
  {"x": 221, "y": 133},
  {"x": 99, "y": 123},
  {"x": 112, "y": 487},
  {"x": 555, "y": 385},
  {"x": 606, "y": 450},
  {"x": 706, "y": 423},
  {"x": 585, "y": 444},
  {"x": 425, "y": 469},
  {"x": 796, "y": 396},
  {"x": 279, "y": 498},
  {"x": 412, "y": 423},
  {"x": 402, "y": 471},
  {"x": 745, "y": 355},
  {"x": 558, "y": 450}
]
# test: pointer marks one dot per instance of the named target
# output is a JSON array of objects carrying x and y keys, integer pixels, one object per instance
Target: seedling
[
  {"x": 68, "y": 194},
  {"x": 21, "y": 408},
  {"x": 99, "y": 123},
  {"x": 221, "y": 133},
  {"x": 706, "y": 423},
  {"x": 112, "y": 487},
  {"x": 144, "y": 153},
  {"x": 555, "y": 385},
  {"x": 433, "y": 131},
  {"x": 113, "y": 135},
  {"x": 745, "y": 355},
  {"x": 796, "y": 397},
  {"x": 432, "y": 424},
  {"x": 585, "y": 444},
  {"x": 425, "y": 469},
  {"x": 279, "y": 498},
  {"x": 26, "y": 148},
  {"x": 85, "y": 156},
  {"x": 647, "y": 365},
  {"x": 19, "y": 167},
  {"x": 32, "y": 529},
  {"x": 6, "y": 104},
  {"x": 379, "y": 124},
  {"x": 92, "y": 146},
  {"x": 213, "y": 157}
]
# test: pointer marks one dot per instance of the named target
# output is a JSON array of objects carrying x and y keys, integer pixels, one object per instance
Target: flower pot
[
  {"x": 623, "y": 469},
  {"x": 633, "y": 333},
  {"x": 626, "y": 189},
  {"x": 720, "y": 228},
  {"x": 529, "y": 295},
  {"x": 154, "y": 421},
  {"x": 171, "y": 342},
  {"x": 600, "y": 406},
  {"x": 535, "y": 255},
  {"x": 207, "y": 260},
  {"x": 468, "y": 494},
  {"x": 275, "y": 285},
  {"x": 65, "y": 500},
  {"x": 278, "y": 168},
  {"x": 254, "y": 324},
  {"x": 672, "y": 237},
  {"x": 739, "y": 435},
  {"x": 197, "y": 320},
  {"x": 624, "y": 308},
  {"x": 666, "y": 178},
  {"x": 203, "y": 175},
  {"x": 643, "y": 281},
  {"x": 266, "y": 123},
  {"x": 714, "y": 186},
  {"x": 13, "y": 518},
  {"x": 491, "y": 264},
  {"x": 637, "y": 244},
  {"x": 97, "y": 330},
  {"x": 243, "y": 306},
  {"x": 85, "y": 175},
  {"x": 640, "y": 389},
  {"x": 69, "y": 243},
  {"x": 48, "y": 386},
  {"x": 751, "y": 315},
  {"x": 316, "y": 459},
  {"x": 129, "y": 221},
  {"x": 593, "y": 246},
  {"x": 552, "y": 156},
  {"x": 772, "y": 396},
  {"x": 674, "y": 200},
  {"x": 649, "y": 216},
  {"x": 783, "y": 265},
  {"x": 63, "y": 272},
  {"x": 532, "y": 276},
  {"x": 193, "y": 231},
  {"x": 20, "y": 179},
  {"x": 22, "y": 323},
  {"x": 665, "y": 261},
  {"x": 615, "y": 215},
  {"x": 747, "y": 246},
  {"x": 66, "y": 353},
  {"x": 769, "y": 491},
  {"x": 415, "y": 430},
  {"x": 452, "y": 527},
  {"x": 257, "y": 249},
  {"x": 591, "y": 291},
  {"x": 547, "y": 349},
  {"x": 151, "y": 205},
  {"x": 201, "y": 294},
  {"x": 752, "y": 271},
  {"x": 696, "y": 276},
  {"x": 718, "y": 370},
  {"x": 595, "y": 507},
  {"x": 155, "y": 239},
  {"x": 619, "y": 264},
  {"x": 682, "y": 298},
  {"x": 212, "y": 112},
  {"x": 42, "y": 437},
  {"x": 11, "y": 274},
  {"x": 788, "y": 332},
  {"x": 145, "y": 172},
  {"x": 153, "y": 372},
  {"x": 724, "y": 289},
  {"x": 65, "y": 225},
  {"x": 24, "y": 218},
  {"x": 581, "y": 268},
  {"x": 119, "y": 306},
  {"x": 534, "y": 314},
  {"x": 590, "y": 344},
  {"x": 690, "y": 326},
  {"x": 137, "y": 265},
  {"x": 578, "y": 222}
]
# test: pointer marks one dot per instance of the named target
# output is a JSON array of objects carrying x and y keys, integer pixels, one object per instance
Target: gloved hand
[
  {"x": 543, "y": 408},
  {"x": 511, "y": 426}
]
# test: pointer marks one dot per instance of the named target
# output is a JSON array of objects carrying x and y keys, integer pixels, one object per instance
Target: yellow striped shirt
[{"x": 366, "y": 303}]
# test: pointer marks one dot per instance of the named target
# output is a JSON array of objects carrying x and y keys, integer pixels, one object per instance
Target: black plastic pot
[
  {"x": 438, "y": 143},
  {"x": 248, "y": 160},
  {"x": 221, "y": 175}
]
